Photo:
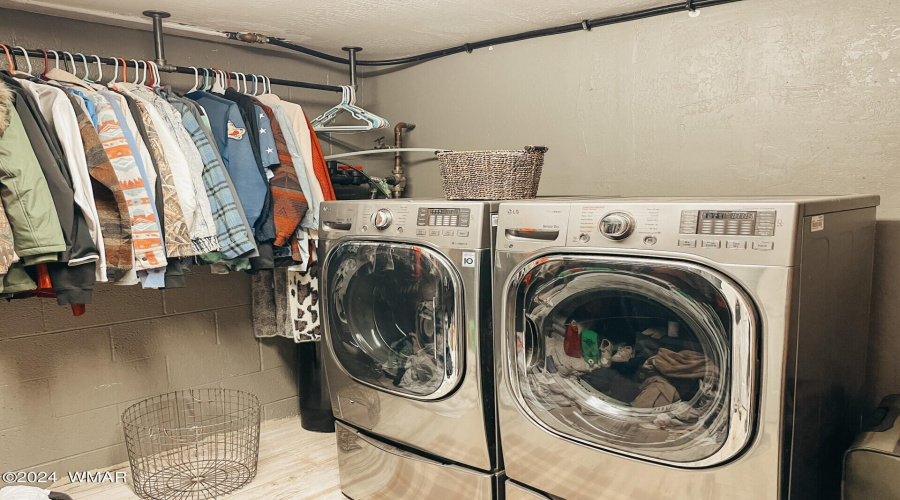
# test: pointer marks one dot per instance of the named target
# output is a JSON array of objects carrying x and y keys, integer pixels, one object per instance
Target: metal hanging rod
[
  {"x": 110, "y": 61},
  {"x": 164, "y": 66},
  {"x": 585, "y": 25}
]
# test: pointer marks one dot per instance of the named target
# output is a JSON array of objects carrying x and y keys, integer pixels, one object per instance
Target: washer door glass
[
  {"x": 393, "y": 313},
  {"x": 651, "y": 358}
]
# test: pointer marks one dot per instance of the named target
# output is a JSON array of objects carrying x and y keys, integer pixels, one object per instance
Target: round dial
[
  {"x": 617, "y": 225},
  {"x": 382, "y": 218}
]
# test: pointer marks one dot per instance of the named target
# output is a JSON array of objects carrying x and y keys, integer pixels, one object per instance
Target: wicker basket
[{"x": 491, "y": 175}]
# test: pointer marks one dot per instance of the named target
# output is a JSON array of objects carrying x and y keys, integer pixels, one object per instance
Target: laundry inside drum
[
  {"x": 393, "y": 311},
  {"x": 632, "y": 357}
]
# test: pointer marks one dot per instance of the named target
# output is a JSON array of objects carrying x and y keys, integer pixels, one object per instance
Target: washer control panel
[{"x": 728, "y": 222}]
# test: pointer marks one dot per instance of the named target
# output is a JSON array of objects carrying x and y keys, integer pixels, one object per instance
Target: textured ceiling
[{"x": 384, "y": 28}]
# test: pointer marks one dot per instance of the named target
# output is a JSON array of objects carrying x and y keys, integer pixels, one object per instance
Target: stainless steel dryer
[
  {"x": 406, "y": 304},
  {"x": 681, "y": 348}
]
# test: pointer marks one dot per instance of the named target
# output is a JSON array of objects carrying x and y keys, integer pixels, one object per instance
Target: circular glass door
[
  {"x": 650, "y": 358},
  {"x": 393, "y": 311}
]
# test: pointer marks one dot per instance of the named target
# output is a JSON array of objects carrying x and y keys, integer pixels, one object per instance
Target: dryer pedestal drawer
[{"x": 373, "y": 470}]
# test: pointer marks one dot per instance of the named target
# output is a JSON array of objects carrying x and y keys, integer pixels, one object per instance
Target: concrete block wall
[{"x": 65, "y": 381}]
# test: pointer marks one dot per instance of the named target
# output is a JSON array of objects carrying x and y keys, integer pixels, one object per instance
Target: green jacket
[{"x": 37, "y": 234}]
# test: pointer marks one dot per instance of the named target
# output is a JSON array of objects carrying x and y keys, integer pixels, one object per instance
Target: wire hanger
[{"x": 348, "y": 104}]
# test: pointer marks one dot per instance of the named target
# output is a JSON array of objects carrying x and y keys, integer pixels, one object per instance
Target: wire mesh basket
[
  {"x": 491, "y": 175},
  {"x": 192, "y": 445}
]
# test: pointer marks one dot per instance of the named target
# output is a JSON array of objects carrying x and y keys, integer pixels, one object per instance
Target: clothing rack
[
  {"x": 164, "y": 66},
  {"x": 91, "y": 60}
]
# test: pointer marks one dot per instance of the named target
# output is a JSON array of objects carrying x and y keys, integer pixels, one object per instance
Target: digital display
[
  {"x": 728, "y": 215},
  {"x": 445, "y": 217}
]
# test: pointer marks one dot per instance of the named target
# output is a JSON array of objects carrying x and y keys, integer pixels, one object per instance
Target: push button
[
  {"x": 434, "y": 232},
  {"x": 464, "y": 234},
  {"x": 687, "y": 243},
  {"x": 735, "y": 245},
  {"x": 448, "y": 232},
  {"x": 420, "y": 232},
  {"x": 763, "y": 245},
  {"x": 711, "y": 244}
]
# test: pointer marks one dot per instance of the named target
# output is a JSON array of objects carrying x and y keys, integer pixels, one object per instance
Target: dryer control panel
[
  {"x": 728, "y": 232},
  {"x": 448, "y": 224}
]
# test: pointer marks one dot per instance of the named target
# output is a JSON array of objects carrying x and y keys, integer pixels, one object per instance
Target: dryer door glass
[
  {"x": 393, "y": 311},
  {"x": 650, "y": 358}
]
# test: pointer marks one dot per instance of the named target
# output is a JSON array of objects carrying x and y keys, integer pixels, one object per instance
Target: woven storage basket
[{"x": 491, "y": 175}]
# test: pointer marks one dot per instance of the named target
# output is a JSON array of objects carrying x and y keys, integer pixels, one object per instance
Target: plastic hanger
[
  {"x": 115, "y": 75},
  {"x": 196, "y": 79},
  {"x": 56, "y": 58},
  {"x": 255, "y": 82},
  {"x": 157, "y": 79},
  {"x": 87, "y": 71},
  {"x": 100, "y": 68},
  {"x": 9, "y": 58},
  {"x": 72, "y": 58},
  {"x": 348, "y": 104},
  {"x": 27, "y": 60},
  {"x": 218, "y": 85},
  {"x": 124, "y": 70},
  {"x": 136, "y": 71},
  {"x": 144, "y": 74}
]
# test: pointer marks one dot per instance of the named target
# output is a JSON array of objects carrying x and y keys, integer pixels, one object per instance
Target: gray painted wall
[
  {"x": 64, "y": 381},
  {"x": 756, "y": 97}
]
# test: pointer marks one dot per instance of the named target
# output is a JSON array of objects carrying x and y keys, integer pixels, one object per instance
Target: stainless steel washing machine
[
  {"x": 406, "y": 304},
  {"x": 681, "y": 348}
]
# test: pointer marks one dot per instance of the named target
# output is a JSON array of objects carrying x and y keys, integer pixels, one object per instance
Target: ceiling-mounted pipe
[
  {"x": 351, "y": 51},
  {"x": 584, "y": 25},
  {"x": 157, "y": 16}
]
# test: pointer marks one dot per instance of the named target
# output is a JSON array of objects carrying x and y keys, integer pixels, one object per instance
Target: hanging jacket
[
  {"x": 145, "y": 229},
  {"x": 80, "y": 247},
  {"x": 167, "y": 202},
  {"x": 112, "y": 209},
  {"x": 310, "y": 220},
  {"x": 73, "y": 277},
  {"x": 211, "y": 139},
  {"x": 35, "y": 232},
  {"x": 304, "y": 135},
  {"x": 177, "y": 234},
  {"x": 231, "y": 134},
  {"x": 57, "y": 110},
  {"x": 287, "y": 194},
  {"x": 320, "y": 167},
  {"x": 234, "y": 240},
  {"x": 247, "y": 108},
  {"x": 176, "y": 140}
]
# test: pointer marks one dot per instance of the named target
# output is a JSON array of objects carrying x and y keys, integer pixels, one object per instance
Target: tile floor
[{"x": 293, "y": 464}]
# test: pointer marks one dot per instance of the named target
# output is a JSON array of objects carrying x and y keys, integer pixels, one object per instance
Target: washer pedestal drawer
[{"x": 374, "y": 470}]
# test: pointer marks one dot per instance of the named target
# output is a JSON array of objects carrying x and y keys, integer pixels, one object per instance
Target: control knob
[
  {"x": 382, "y": 218},
  {"x": 617, "y": 225}
]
